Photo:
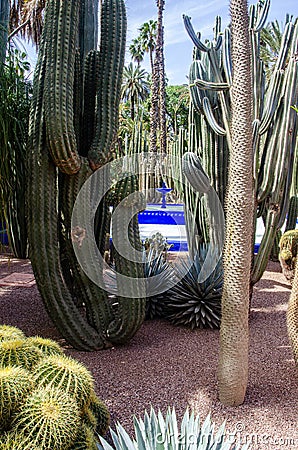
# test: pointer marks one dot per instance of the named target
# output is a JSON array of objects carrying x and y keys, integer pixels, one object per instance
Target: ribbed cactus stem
[
  {"x": 292, "y": 317},
  {"x": 59, "y": 76},
  {"x": 4, "y": 21},
  {"x": 233, "y": 358},
  {"x": 112, "y": 47}
]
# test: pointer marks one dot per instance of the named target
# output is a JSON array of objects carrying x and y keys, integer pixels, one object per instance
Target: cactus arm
[
  {"x": 189, "y": 28},
  {"x": 112, "y": 51},
  {"x": 88, "y": 26},
  {"x": 262, "y": 16},
  {"x": 213, "y": 86},
  {"x": 63, "y": 19},
  {"x": 196, "y": 71},
  {"x": 292, "y": 214},
  {"x": 276, "y": 82},
  {"x": 226, "y": 56},
  {"x": 91, "y": 80},
  {"x": 211, "y": 119}
]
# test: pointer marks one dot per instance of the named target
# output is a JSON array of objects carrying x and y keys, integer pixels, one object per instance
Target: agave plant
[
  {"x": 192, "y": 302},
  {"x": 157, "y": 432}
]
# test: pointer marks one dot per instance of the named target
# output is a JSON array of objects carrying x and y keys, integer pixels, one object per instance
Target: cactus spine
[
  {"x": 16, "y": 384},
  {"x": 71, "y": 90},
  {"x": 48, "y": 419},
  {"x": 65, "y": 374}
]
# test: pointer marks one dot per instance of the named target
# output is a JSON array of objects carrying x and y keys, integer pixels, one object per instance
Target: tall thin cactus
[
  {"x": 70, "y": 91},
  {"x": 233, "y": 358}
]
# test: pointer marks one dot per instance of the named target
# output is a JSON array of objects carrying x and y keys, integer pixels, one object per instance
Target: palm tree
[
  {"x": 137, "y": 51},
  {"x": 26, "y": 18},
  {"x": 270, "y": 43},
  {"x": 135, "y": 86},
  {"x": 160, "y": 66},
  {"x": 233, "y": 355},
  {"x": 147, "y": 37}
]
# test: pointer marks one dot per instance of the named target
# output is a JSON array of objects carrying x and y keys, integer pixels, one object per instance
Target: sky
[{"x": 178, "y": 46}]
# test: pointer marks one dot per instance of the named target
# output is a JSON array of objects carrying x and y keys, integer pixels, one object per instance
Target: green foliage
[
  {"x": 15, "y": 95},
  {"x": 135, "y": 87},
  {"x": 177, "y": 101},
  {"x": 156, "y": 264},
  {"x": 158, "y": 432}
]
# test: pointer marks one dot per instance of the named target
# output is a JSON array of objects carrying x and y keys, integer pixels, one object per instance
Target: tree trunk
[
  {"x": 161, "y": 75},
  {"x": 234, "y": 333}
]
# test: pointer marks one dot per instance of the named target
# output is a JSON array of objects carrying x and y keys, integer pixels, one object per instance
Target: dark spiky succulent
[
  {"x": 156, "y": 264},
  {"x": 193, "y": 303}
]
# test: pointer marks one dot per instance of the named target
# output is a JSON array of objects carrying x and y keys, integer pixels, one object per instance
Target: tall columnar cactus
[
  {"x": 274, "y": 121},
  {"x": 233, "y": 358},
  {"x": 4, "y": 20},
  {"x": 73, "y": 124}
]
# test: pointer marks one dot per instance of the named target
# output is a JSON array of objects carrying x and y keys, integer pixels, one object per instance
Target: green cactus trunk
[
  {"x": 74, "y": 114},
  {"x": 4, "y": 15}
]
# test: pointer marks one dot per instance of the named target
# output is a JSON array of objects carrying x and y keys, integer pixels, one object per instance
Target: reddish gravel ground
[{"x": 168, "y": 366}]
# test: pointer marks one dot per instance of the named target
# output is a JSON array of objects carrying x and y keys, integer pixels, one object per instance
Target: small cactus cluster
[
  {"x": 288, "y": 246},
  {"x": 47, "y": 399}
]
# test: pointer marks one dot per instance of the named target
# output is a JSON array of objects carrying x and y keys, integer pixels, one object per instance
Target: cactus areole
[{"x": 73, "y": 125}]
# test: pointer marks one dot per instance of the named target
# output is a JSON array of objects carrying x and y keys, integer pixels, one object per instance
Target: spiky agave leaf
[
  {"x": 193, "y": 303},
  {"x": 158, "y": 432}
]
